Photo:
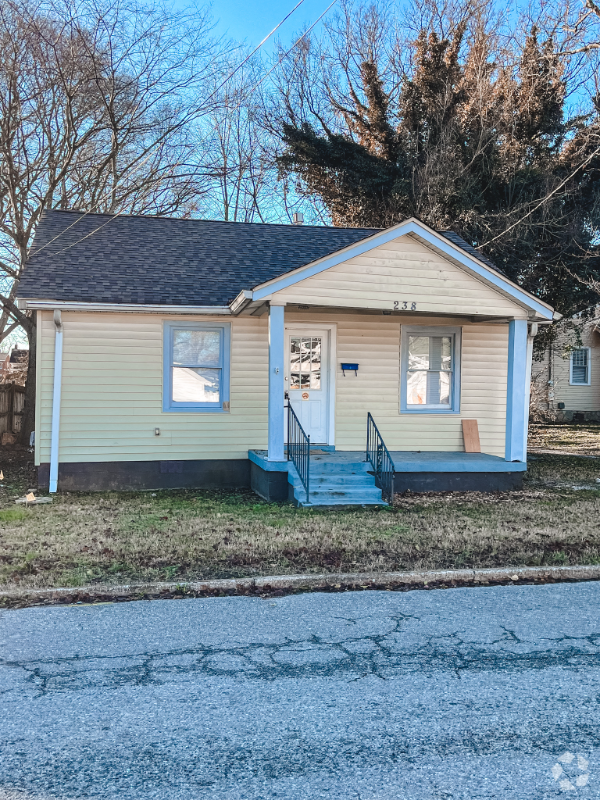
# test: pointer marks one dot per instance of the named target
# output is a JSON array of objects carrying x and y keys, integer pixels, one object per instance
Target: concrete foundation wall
[{"x": 134, "y": 475}]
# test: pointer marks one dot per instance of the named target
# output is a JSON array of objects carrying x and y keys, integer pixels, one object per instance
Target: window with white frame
[
  {"x": 580, "y": 366},
  {"x": 430, "y": 374},
  {"x": 196, "y": 368}
]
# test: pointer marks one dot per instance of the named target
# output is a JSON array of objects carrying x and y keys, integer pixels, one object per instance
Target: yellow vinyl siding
[
  {"x": 401, "y": 270},
  {"x": 112, "y": 388},
  {"x": 374, "y": 342},
  {"x": 112, "y": 392}
]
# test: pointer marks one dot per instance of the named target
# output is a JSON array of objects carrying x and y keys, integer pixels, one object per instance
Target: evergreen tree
[{"x": 470, "y": 145}]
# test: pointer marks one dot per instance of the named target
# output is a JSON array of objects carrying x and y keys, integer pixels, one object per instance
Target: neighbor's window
[
  {"x": 429, "y": 370},
  {"x": 196, "y": 367},
  {"x": 580, "y": 366}
]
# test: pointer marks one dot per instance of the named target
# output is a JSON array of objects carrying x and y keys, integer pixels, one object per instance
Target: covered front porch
[
  {"x": 362, "y": 368},
  {"x": 424, "y": 446}
]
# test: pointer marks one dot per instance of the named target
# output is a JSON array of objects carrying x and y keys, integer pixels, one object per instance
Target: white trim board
[{"x": 428, "y": 237}]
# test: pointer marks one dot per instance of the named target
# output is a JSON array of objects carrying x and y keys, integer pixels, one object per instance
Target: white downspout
[{"x": 54, "y": 441}]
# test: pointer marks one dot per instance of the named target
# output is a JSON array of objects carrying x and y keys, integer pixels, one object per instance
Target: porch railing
[
  {"x": 381, "y": 460},
  {"x": 298, "y": 448}
]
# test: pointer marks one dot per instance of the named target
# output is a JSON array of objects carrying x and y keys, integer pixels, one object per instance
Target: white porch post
[
  {"x": 276, "y": 382},
  {"x": 517, "y": 399}
]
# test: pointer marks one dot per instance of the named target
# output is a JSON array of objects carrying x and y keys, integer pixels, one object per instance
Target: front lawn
[
  {"x": 582, "y": 439},
  {"x": 112, "y": 538}
]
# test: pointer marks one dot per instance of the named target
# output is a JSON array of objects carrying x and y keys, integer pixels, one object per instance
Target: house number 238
[{"x": 404, "y": 305}]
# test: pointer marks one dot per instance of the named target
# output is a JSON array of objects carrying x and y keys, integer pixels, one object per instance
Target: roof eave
[
  {"x": 43, "y": 304},
  {"x": 239, "y": 303}
]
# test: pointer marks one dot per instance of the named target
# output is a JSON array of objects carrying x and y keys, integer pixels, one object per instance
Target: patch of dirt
[{"x": 20, "y": 474}]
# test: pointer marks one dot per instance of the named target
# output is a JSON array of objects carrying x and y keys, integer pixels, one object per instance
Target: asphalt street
[{"x": 463, "y": 693}]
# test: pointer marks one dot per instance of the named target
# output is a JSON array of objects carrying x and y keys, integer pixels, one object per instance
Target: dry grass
[
  {"x": 182, "y": 535},
  {"x": 576, "y": 439}
]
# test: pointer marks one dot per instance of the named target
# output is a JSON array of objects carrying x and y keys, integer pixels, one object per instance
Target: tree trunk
[{"x": 28, "y": 418}]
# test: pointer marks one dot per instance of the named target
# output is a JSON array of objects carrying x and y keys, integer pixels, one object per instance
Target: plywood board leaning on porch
[{"x": 471, "y": 436}]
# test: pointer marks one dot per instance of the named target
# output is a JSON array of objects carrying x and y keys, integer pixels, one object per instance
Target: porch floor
[{"x": 406, "y": 461}]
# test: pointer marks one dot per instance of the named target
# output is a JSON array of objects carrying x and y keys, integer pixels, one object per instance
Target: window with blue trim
[
  {"x": 196, "y": 369},
  {"x": 430, "y": 373}
]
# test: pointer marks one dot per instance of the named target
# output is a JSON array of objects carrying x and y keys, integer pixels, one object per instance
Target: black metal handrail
[
  {"x": 298, "y": 448},
  {"x": 381, "y": 460}
]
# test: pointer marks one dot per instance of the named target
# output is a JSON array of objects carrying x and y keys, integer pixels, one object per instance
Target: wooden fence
[{"x": 12, "y": 402}]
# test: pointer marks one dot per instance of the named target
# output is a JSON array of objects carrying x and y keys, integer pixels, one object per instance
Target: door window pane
[{"x": 305, "y": 362}]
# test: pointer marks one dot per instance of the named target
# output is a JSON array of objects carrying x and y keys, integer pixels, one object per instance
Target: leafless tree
[
  {"x": 231, "y": 151},
  {"x": 97, "y": 102}
]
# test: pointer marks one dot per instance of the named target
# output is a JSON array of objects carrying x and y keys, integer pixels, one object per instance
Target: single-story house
[
  {"x": 181, "y": 352},
  {"x": 566, "y": 379}
]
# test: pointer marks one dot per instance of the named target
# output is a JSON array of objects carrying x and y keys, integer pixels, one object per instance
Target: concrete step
[
  {"x": 336, "y": 483},
  {"x": 329, "y": 479},
  {"x": 339, "y": 468},
  {"x": 364, "y": 494},
  {"x": 338, "y": 502}
]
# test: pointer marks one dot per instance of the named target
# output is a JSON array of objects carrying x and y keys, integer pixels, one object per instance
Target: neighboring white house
[{"x": 167, "y": 351}]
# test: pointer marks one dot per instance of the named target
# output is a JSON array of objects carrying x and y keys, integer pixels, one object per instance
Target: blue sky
[{"x": 252, "y": 20}]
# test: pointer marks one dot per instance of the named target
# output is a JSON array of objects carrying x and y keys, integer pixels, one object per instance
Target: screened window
[
  {"x": 430, "y": 375},
  {"x": 580, "y": 366},
  {"x": 196, "y": 367}
]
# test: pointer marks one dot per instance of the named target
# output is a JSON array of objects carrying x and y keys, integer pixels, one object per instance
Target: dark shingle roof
[
  {"x": 100, "y": 258},
  {"x": 157, "y": 260}
]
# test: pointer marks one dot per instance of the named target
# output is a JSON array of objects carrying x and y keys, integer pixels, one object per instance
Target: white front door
[{"x": 307, "y": 380}]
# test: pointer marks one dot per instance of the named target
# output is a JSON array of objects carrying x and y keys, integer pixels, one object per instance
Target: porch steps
[{"x": 335, "y": 483}]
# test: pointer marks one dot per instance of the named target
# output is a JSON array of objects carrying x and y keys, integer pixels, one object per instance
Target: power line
[
  {"x": 543, "y": 200},
  {"x": 256, "y": 49},
  {"x": 286, "y": 54},
  {"x": 210, "y": 97}
]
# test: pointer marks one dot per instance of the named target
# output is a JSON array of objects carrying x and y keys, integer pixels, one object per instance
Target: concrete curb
[{"x": 289, "y": 584}]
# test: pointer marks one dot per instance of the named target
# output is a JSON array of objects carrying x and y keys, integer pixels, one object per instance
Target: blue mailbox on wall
[{"x": 353, "y": 367}]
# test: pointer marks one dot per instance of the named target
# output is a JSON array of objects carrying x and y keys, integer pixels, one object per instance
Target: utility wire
[
  {"x": 545, "y": 199},
  {"x": 208, "y": 99},
  {"x": 286, "y": 54}
]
